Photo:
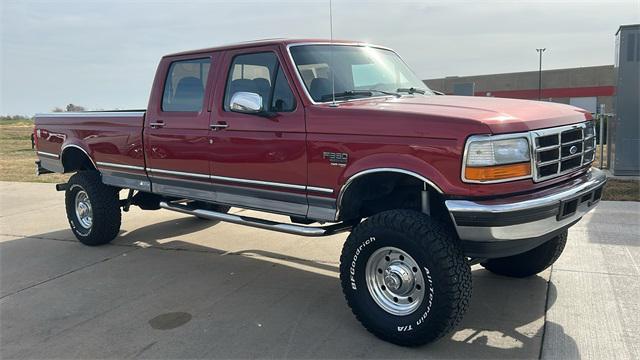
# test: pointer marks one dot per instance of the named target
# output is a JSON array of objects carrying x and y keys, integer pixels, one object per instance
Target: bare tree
[{"x": 72, "y": 107}]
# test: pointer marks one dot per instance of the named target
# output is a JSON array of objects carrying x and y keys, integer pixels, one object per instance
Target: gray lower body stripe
[
  {"x": 259, "y": 182},
  {"x": 127, "y": 180},
  {"x": 119, "y": 166},
  {"x": 43, "y": 153},
  {"x": 179, "y": 173},
  {"x": 154, "y": 172}
]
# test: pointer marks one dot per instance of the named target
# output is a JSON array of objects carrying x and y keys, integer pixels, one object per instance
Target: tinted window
[
  {"x": 185, "y": 84},
  {"x": 260, "y": 73},
  {"x": 283, "y": 99}
]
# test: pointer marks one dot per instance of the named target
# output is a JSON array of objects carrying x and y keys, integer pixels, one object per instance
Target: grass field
[
  {"x": 16, "y": 156},
  {"x": 17, "y": 162}
]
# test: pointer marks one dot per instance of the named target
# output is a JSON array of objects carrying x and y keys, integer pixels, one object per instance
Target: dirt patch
[{"x": 622, "y": 190}]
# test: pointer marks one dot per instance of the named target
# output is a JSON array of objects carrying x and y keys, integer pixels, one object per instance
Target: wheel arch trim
[
  {"x": 65, "y": 147},
  {"x": 362, "y": 173}
]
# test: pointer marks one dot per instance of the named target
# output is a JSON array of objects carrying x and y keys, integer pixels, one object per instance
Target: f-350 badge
[{"x": 336, "y": 159}]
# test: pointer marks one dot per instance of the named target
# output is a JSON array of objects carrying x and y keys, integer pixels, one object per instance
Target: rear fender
[{"x": 73, "y": 149}]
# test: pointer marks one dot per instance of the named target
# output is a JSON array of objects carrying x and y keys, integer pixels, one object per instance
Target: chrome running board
[{"x": 260, "y": 223}]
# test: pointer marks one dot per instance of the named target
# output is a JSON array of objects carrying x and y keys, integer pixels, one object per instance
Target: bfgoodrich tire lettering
[
  {"x": 445, "y": 276},
  {"x": 105, "y": 209}
]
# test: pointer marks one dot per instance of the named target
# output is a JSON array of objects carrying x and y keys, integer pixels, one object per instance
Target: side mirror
[{"x": 246, "y": 102}]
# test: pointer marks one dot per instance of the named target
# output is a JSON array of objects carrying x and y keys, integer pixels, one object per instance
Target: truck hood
[{"x": 500, "y": 115}]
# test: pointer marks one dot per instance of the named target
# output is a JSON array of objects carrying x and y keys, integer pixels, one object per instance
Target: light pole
[{"x": 540, "y": 51}]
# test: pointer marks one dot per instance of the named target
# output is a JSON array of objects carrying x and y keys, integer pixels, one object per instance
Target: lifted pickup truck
[{"x": 341, "y": 134}]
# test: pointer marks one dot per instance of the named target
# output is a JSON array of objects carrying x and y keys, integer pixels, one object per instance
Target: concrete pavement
[{"x": 172, "y": 286}]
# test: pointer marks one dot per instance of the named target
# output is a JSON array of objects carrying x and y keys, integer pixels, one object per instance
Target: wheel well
[
  {"x": 381, "y": 191},
  {"x": 74, "y": 159}
]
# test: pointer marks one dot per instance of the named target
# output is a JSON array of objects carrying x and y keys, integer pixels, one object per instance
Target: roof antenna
[{"x": 333, "y": 77}]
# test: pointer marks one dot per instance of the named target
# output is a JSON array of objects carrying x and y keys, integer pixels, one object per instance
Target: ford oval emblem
[{"x": 573, "y": 150}]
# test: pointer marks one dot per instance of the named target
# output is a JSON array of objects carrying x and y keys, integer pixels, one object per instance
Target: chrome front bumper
[{"x": 527, "y": 216}]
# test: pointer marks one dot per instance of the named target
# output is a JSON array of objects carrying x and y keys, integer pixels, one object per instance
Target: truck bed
[{"x": 108, "y": 137}]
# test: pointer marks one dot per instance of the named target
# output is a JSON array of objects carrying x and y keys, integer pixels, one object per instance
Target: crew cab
[{"x": 340, "y": 137}]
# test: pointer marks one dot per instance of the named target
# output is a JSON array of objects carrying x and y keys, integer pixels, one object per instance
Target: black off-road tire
[
  {"x": 531, "y": 262},
  {"x": 210, "y": 207},
  {"x": 105, "y": 207},
  {"x": 446, "y": 273}
]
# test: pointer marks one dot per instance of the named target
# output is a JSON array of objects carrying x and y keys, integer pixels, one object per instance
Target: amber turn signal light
[{"x": 499, "y": 172}]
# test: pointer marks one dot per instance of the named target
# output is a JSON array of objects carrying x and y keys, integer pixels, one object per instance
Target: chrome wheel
[
  {"x": 395, "y": 281},
  {"x": 84, "y": 214}
]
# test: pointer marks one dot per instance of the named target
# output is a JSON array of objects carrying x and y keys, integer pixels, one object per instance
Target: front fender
[{"x": 401, "y": 163}]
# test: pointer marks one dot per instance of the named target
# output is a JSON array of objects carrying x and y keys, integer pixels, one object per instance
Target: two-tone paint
[{"x": 278, "y": 164}]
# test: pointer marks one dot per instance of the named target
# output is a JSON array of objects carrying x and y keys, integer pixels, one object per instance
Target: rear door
[
  {"x": 176, "y": 134},
  {"x": 256, "y": 161}
]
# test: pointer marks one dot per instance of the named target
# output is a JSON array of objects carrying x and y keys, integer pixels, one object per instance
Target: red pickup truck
[{"x": 344, "y": 135}]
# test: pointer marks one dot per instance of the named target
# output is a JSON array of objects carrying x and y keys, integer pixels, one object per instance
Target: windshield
[{"x": 360, "y": 71}]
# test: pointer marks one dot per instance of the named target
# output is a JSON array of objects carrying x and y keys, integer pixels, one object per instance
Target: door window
[
  {"x": 283, "y": 99},
  {"x": 185, "y": 85},
  {"x": 260, "y": 73}
]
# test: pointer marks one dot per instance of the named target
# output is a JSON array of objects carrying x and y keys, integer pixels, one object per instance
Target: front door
[
  {"x": 177, "y": 130},
  {"x": 259, "y": 161}
]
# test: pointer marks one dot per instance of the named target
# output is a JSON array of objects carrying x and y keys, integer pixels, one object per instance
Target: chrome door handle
[
  {"x": 219, "y": 126},
  {"x": 157, "y": 124}
]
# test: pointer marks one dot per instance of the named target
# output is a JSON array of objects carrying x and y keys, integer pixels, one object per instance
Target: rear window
[{"x": 185, "y": 85}]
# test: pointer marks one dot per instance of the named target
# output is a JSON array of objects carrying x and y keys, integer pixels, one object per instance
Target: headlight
[{"x": 490, "y": 160}]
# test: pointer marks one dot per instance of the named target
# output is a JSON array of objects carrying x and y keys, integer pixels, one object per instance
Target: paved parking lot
[{"x": 172, "y": 286}]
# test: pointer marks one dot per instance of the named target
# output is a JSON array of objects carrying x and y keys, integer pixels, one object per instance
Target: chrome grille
[{"x": 561, "y": 150}]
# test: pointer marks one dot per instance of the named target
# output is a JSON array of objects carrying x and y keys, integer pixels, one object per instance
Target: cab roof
[{"x": 262, "y": 42}]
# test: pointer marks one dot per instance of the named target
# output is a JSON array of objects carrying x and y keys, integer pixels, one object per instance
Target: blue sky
[{"x": 103, "y": 54}]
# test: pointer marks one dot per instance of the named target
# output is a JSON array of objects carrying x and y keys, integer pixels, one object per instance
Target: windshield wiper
[
  {"x": 412, "y": 90},
  {"x": 385, "y": 92},
  {"x": 346, "y": 94},
  {"x": 354, "y": 93}
]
